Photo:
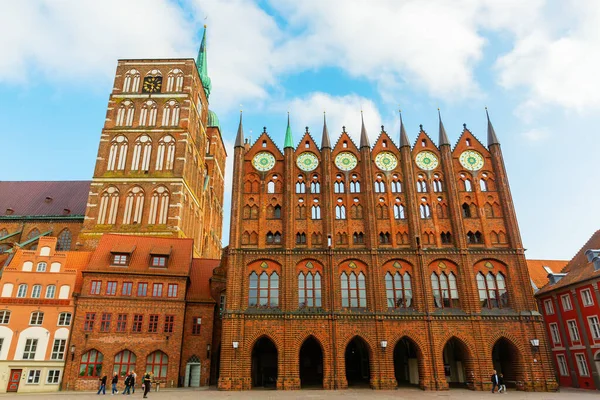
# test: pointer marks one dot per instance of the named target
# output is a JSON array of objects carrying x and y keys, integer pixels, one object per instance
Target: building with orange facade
[{"x": 36, "y": 311}]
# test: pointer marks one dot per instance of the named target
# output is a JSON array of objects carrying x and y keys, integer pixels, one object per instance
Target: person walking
[
  {"x": 127, "y": 389},
  {"x": 495, "y": 381},
  {"x": 115, "y": 380},
  {"x": 102, "y": 385},
  {"x": 133, "y": 381},
  {"x": 502, "y": 386},
  {"x": 147, "y": 384}
]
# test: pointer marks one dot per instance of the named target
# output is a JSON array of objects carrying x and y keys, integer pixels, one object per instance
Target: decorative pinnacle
[
  {"x": 239, "y": 140},
  {"x": 382, "y": 128},
  {"x": 403, "y": 137},
  {"x": 443, "y": 139},
  {"x": 264, "y": 129},
  {"x": 306, "y": 129},
  {"x": 364, "y": 139},
  {"x": 343, "y": 129},
  {"x": 325, "y": 144},
  {"x": 492, "y": 139},
  {"x": 289, "y": 141}
]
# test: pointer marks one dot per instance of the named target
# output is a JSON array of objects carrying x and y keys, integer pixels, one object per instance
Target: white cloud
[{"x": 536, "y": 135}]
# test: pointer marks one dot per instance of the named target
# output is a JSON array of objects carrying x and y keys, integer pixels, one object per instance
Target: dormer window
[
  {"x": 120, "y": 259},
  {"x": 159, "y": 261},
  {"x": 159, "y": 257}
]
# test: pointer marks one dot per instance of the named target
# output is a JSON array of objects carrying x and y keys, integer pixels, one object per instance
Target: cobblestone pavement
[{"x": 350, "y": 394}]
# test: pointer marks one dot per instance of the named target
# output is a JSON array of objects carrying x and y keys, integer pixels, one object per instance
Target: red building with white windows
[{"x": 571, "y": 307}]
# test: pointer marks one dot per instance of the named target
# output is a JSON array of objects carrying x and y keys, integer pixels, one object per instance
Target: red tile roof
[
  {"x": 538, "y": 274},
  {"x": 179, "y": 261},
  {"x": 200, "y": 274},
  {"x": 43, "y": 198},
  {"x": 578, "y": 269}
]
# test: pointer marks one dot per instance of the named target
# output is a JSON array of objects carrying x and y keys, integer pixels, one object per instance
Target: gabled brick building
[
  {"x": 571, "y": 306},
  {"x": 378, "y": 265}
]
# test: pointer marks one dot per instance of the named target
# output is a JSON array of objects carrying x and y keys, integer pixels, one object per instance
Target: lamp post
[
  {"x": 535, "y": 345},
  {"x": 384, "y": 344}
]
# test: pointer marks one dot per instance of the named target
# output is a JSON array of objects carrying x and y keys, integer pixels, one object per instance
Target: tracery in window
[
  {"x": 263, "y": 290},
  {"x": 474, "y": 237},
  {"x": 142, "y": 151},
  {"x": 171, "y": 113},
  {"x": 175, "y": 81},
  {"x": 134, "y": 206},
  {"x": 316, "y": 212},
  {"x": 309, "y": 289},
  {"x": 353, "y": 290},
  {"x": 125, "y": 113},
  {"x": 64, "y": 240},
  {"x": 445, "y": 291},
  {"x": 340, "y": 212},
  {"x": 131, "y": 83},
  {"x": 398, "y": 289},
  {"x": 148, "y": 113},
  {"x": 109, "y": 206},
  {"x": 492, "y": 290},
  {"x": 385, "y": 238},
  {"x": 355, "y": 186},
  {"x": 117, "y": 155},
  {"x": 273, "y": 238},
  {"x": 166, "y": 153},
  {"x": 399, "y": 211},
  {"x": 338, "y": 187},
  {"x": 358, "y": 238},
  {"x": 425, "y": 211},
  {"x": 159, "y": 206},
  {"x": 396, "y": 186}
]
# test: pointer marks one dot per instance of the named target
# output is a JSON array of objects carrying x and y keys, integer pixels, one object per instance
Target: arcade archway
[
  {"x": 506, "y": 360},
  {"x": 358, "y": 371},
  {"x": 456, "y": 362},
  {"x": 406, "y": 362},
  {"x": 264, "y": 364},
  {"x": 311, "y": 364}
]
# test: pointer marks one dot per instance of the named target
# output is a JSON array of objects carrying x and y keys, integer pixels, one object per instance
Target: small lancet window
[
  {"x": 423, "y": 143},
  {"x": 264, "y": 143},
  {"x": 306, "y": 145},
  {"x": 468, "y": 142}
]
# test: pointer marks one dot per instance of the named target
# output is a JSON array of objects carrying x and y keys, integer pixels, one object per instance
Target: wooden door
[{"x": 15, "y": 377}]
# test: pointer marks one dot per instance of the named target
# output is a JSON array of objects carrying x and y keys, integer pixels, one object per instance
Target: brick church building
[{"x": 377, "y": 265}]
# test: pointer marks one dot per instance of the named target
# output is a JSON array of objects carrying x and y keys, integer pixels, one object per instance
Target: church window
[
  {"x": 483, "y": 185},
  {"x": 446, "y": 237},
  {"x": 421, "y": 186},
  {"x": 492, "y": 290},
  {"x": 340, "y": 212},
  {"x": 381, "y": 211},
  {"x": 109, "y": 206},
  {"x": 300, "y": 211},
  {"x": 306, "y": 145},
  {"x": 64, "y": 240},
  {"x": 468, "y": 142},
  {"x": 309, "y": 290},
  {"x": 264, "y": 290},
  {"x": 159, "y": 206},
  {"x": 171, "y": 113},
  {"x": 131, "y": 83},
  {"x": 134, "y": 206},
  {"x": 437, "y": 185},
  {"x": 277, "y": 212},
  {"x": 300, "y": 187},
  {"x": 273, "y": 238},
  {"x": 315, "y": 187},
  {"x": 345, "y": 144},
  {"x": 399, "y": 211},
  {"x": 384, "y": 143},
  {"x": 142, "y": 151},
  {"x": 117, "y": 155},
  {"x": 148, "y": 113},
  {"x": 396, "y": 186},
  {"x": 300, "y": 238},
  {"x": 445, "y": 291},
  {"x": 385, "y": 238},
  {"x": 398, "y": 288},
  {"x": 354, "y": 292},
  {"x": 466, "y": 210},
  {"x": 358, "y": 238},
  {"x": 442, "y": 210},
  {"x": 175, "y": 81},
  {"x": 468, "y": 185},
  {"x": 355, "y": 186},
  {"x": 379, "y": 187},
  {"x": 474, "y": 238},
  {"x": 316, "y": 212},
  {"x": 425, "y": 211},
  {"x": 338, "y": 187},
  {"x": 264, "y": 143},
  {"x": 166, "y": 153},
  {"x": 125, "y": 113}
]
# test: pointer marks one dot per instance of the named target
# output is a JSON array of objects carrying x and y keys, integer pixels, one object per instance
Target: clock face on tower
[
  {"x": 386, "y": 161},
  {"x": 471, "y": 160},
  {"x": 346, "y": 161},
  {"x": 307, "y": 161},
  {"x": 152, "y": 84},
  {"x": 426, "y": 160},
  {"x": 263, "y": 161}
]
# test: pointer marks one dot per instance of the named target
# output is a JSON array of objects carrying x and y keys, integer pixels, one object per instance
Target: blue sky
[{"x": 533, "y": 64}]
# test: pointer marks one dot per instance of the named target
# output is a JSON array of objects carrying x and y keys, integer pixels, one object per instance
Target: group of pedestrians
[
  {"x": 498, "y": 382},
  {"x": 130, "y": 380}
]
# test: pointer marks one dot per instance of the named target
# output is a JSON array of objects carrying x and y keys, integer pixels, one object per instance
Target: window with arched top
[
  {"x": 425, "y": 211},
  {"x": 50, "y": 291},
  {"x": 91, "y": 364},
  {"x": 445, "y": 290},
  {"x": 142, "y": 151},
  {"x": 148, "y": 113},
  {"x": 437, "y": 185},
  {"x": 399, "y": 211},
  {"x": 271, "y": 187},
  {"x": 309, "y": 289},
  {"x": 263, "y": 290},
  {"x": 159, "y": 206},
  {"x": 109, "y": 206},
  {"x": 474, "y": 237},
  {"x": 340, "y": 212},
  {"x": 36, "y": 291},
  {"x": 483, "y": 185},
  {"x": 355, "y": 186},
  {"x": 339, "y": 187},
  {"x": 300, "y": 187},
  {"x": 356, "y": 211},
  {"x": 35, "y": 232},
  {"x": 175, "y": 81},
  {"x": 396, "y": 186},
  {"x": 41, "y": 267},
  {"x": 379, "y": 187},
  {"x": 171, "y": 113},
  {"x": 64, "y": 240},
  {"x": 131, "y": 82},
  {"x": 353, "y": 290},
  {"x": 125, "y": 362},
  {"x": 358, "y": 238},
  {"x": 381, "y": 211},
  {"x": 315, "y": 187},
  {"x": 157, "y": 363},
  {"x": 315, "y": 212},
  {"x": 37, "y": 318},
  {"x": 22, "y": 290},
  {"x": 446, "y": 237},
  {"x": 125, "y": 113},
  {"x": 3, "y": 232},
  {"x": 165, "y": 155},
  {"x": 492, "y": 290},
  {"x": 468, "y": 185},
  {"x": 385, "y": 238},
  {"x": 398, "y": 289},
  {"x": 301, "y": 238},
  {"x": 134, "y": 206},
  {"x": 117, "y": 155},
  {"x": 273, "y": 238}
]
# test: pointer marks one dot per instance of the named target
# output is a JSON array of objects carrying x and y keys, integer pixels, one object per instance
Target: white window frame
[
  {"x": 41, "y": 267},
  {"x": 55, "y": 377},
  {"x": 36, "y": 291},
  {"x": 567, "y": 305},
  {"x": 563, "y": 367},
  {"x": 549, "y": 307},
  {"x": 67, "y": 318},
  {"x": 587, "y": 299},
  {"x": 573, "y": 331},
  {"x": 555, "y": 334},
  {"x": 59, "y": 354},
  {"x": 33, "y": 376},
  {"x": 50, "y": 291},
  {"x": 22, "y": 290},
  {"x": 4, "y": 317},
  {"x": 38, "y": 321},
  {"x": 30, "y": 354},
  {"x": 582, "y": 364},
  {"x": 594, "y": 323}
]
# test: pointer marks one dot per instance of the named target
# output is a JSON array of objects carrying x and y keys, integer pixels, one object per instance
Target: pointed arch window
[
  {"x": 379, "y": 187},
  {"x": 355, "y": 186},
  {"x": 316, "y": 238},
  {"x": 398, "y": 288},
  {"x": 264, "y": 290},
  {"x": 437, "y": 185},
  {"x": 131, "y": 83},
  {"x": 271, "y": 187},
  {"x": 142, "y": 151},
  {"x": 166, "y": 153},
  {"x": 446, "y": 237},
  {"x": 425, "y": 211},
  {"x": 125, "y": 361},
  {"x": 117, "y": 155},
  {"x": 445, "y": 291},
  {"x": 300, "y": 187},
  {"x": 316, "y": 212},
  {"x": 474, "y": 238},
  {"x": 399, "y": 211},
  {"x": 109, "y": 206},
  {"x": 134, "y": 206},
  {"x": 315, "y": 187},
  {"x": 396, "y": 186},
  {"x": 385, "y": 238},
  {"x": 300, "y": 211},
  {"x": 358, "y": 238},
  {"x": 340, "y": 212},
  {"x": 171, "y": 113},
  {"x": 468, "y": 185},
  {"x": 309, "y": 289},
  {"x": 466, "y": 210},
  {"x": 300, "y": 238},
  {"x": 125, "y": 113},
  {"x": 273, "y": 238},
  {"x": 492, "y": 290},
  {"x": 354, "y": 291},
  {"x": 483, "y": 185},
  {"x": 91, "y": 364},
  {"x": 148, "y": 113},
  {"x": 157, "y": 363},
  {"x": 159, "y": 206},
  {"x": 338, "y": 187},
  {"x": 64, "y": 240},
  {"x": 175, "y": 81},
  {"x": 356, "y": 211},
  {"x": 382, "y": 211},
  {"x": 421, "y": 186}
]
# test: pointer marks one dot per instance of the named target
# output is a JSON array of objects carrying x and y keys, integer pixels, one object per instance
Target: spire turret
[
  {"x": 325, "y": 144},
  {"x": 492, "y": 139},
  {"x": 443, "y": 137},
  {"x": 289, "y": 141},
  {"x": 403, "y": 137},
  {"x": 201, "y": 65},
  {"x": 364, "y": 139},
  {"x": 239, "y": 139}
]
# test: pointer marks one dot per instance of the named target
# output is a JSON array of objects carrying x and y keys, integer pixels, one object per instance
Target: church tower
[{"x": 161, "y": 159}]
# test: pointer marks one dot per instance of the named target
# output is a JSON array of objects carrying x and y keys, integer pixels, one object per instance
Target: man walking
[
  {"x": 147, "y": 383},
  {"x": 133, "y": 380},
  {"x": 102, "y": 385},
  {"x": 501, "y": 385},
  {"x": 114, "y": 382},
  {"x": 127, "y": 389},
  {"x": 495, "y": 382}
]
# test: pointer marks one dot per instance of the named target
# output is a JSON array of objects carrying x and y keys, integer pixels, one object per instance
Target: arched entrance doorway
[
  {"x": 456, "y": 357},
  {"x": 264, "y": 364},
  {"x": 192, "y": 372},
  {"x": 505, "y": 357},
  {"x": 406, "y": 362},
  {"x": 311, "y": 364},
  {"x": 358, "y": 371}
]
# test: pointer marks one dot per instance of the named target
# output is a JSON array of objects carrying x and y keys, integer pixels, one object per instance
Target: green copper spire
[
  {"x": 201, "y": 65},
  {"x": 289, "y": 141}
]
